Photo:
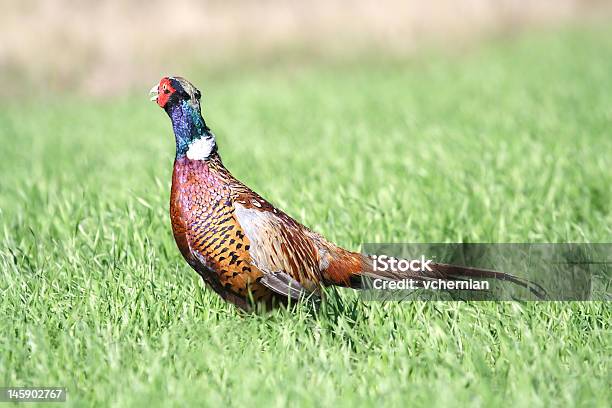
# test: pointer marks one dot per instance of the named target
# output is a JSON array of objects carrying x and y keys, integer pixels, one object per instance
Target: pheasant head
[
  {"x": 174, "y": 90},
  {"x": 181, "y": 101}
]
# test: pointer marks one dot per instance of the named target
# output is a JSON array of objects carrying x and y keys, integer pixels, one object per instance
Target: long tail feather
[{"x": 355, "y": 266}]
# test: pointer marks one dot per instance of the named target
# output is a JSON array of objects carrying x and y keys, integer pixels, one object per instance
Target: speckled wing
[{"x": 280, "y": 247}]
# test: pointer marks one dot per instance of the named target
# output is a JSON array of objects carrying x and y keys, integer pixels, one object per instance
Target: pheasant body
[
  {"x": 207, "y": 233},
  {"x": 245, "y": 249},
  {"x": 213, "y": 215}
]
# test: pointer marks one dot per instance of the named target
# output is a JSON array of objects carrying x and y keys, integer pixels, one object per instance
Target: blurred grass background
[
  {"x": 103, "y": 47},
  {"x": 364, "y": 135}
]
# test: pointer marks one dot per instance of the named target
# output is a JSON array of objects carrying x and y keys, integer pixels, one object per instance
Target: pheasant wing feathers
[{"x": 279, "y": 247}]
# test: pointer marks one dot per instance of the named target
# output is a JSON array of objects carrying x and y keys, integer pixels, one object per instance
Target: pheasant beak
[{"x": 154, "y": 93}]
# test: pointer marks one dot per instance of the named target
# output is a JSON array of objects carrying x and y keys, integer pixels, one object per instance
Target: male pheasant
[{"x": 245, "y": 249}]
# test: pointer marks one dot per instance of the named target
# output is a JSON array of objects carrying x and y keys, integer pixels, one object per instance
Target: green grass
[{"x": 510, "y": 143}]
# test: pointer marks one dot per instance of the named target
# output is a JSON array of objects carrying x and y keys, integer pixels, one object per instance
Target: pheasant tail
[{"x": 352, "y": 270}]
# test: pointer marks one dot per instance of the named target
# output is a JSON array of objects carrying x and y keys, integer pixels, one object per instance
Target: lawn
[{"x": 506, "y": 142}]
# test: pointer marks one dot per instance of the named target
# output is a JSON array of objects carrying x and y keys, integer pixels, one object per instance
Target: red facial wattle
[{"x": 164, "y": 90}]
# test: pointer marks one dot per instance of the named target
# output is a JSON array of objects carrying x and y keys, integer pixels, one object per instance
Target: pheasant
[{"x": 244, "y": 248}]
